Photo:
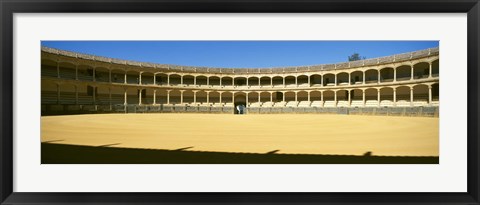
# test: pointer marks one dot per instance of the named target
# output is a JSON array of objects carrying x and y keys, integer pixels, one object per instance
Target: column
[
  {"x": 76, "y": 95},
  {"x": 247, "y": 82},
  {"x": 321, "y": 97},
  {"x": 430, "y": 70},
  {"x": 181, "y": 80},
  {"x": 139, "y": 96},
  {"x": 309, "y": 85},
  {"x": 110, "y": 76},
  {"x": 195, "y": 96},
  {"x": 220, "y": 82},
  {"x": 349, "y": 78},
  {"x": 76, "y": 72},
  {"x": 125, "y": 78},
  {"x": 308, "y": 96},
  {"x": 349, "y": 98},
  {"x": 259, "y": 82},
  {"x": 283, "y": 96},
  {"x": 378, "y": 97},
  {"x": 259, "y": 98},
  {"x": 411, "y": 72},
  {"x": 110, "y": 97},
  {"x": 411, "y": 96},
  {"x": 296, "y": 98},
  {"x": 296, "y": 81},
  {"x": 271, "y": 82},
  {"x": 155, "y": 79},
  {"x": 140, "y": 78},
  {"x": 233, "y": 82},
  {"x": 220, "y": 96},
  {"x": 363, "y": 77},
  {"x": 125, "y": 97},
  {"x": 271, "y": 97},
  {"x": 58, "y": 70},
  {"x": 246, "y": 99},
  {"x": 208, "y": 95},
  {"x": 284, "y": 82},
  {"x": 194, "y": 81},
  {"x": 233, "y": 98},
  {"x": 335, "y": 79},
  {"x": 335, "y": 96},
  {"x": 363, "y": 97},
  {"x": 94, "y": 93},
  {"x": 394, "y": 97},
  {"x": 378, "y": 77},
  {"x": 154, "y": 97},
  {"x": 181, "y": 96},
  {"x": 168, "y": 96},
  {"x": 429, "y": 95},
  {"x": 168, "y": 80},
  {"x": 394, "y": 74},
  {"x": 94, "y": 78}
]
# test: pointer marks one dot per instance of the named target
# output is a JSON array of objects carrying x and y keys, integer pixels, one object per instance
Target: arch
[
  {"x": 188, "y": 97},
  {"x": 147, "y": 78},
  {"x": 386, "y": 74},
  {"x": 133, "y": 77},
  {"x": 404, "y": 72},
  {"x": 202, "y": 97},
  {"x": 277, "y": 81},
  {"x": 240, "y": 81},
  {"x": 202, "y": 80},
  {"x": 290, "y": 81},
  {"x": 240, "y": 99},
  {"x": 188, "y": 80},
  {"x": 161, "y": 79},
  {"x": 85, "y": 94},
  {"x": 214, "y": 81},
  {"x": 435, "y": 68},
  {"x": 302, "y": 96},
  {"x": 161, "y": 96},
  {"x": 329, "y": 98},
  {"x": 85, "y": 72},
  {"x": 329, "y": 79},
  {"x": 117, "y": 95},
  {"x": 371, "y": 97},
  {"x": 102, "y": 74},
  {"x": 316, "y": 98},
  {"x": 48, "y": 68},
  {"x": 147, "y": 95},
  {"x": 227, "y": 98},
  {"x": 132, "y": 96},
  {"x": 67, "y": 94},
  {"x": 102, "y": 95},
  {"x": 420, "y": 95},
  {"x": 356, "y": 97},
  {"x": 118, "y": 76},
  {"x": 302, "y": 80},
  {"x": 421, "y": 70},
  {"x": 402, "y": 96},
  {"x": 214, "y": 98},
  {"x": 227, "y": 81},
  {"x": 264, "y": 97},
  {"x": 371, "y": 76},
  {"x": 342, "y": 78},
  {"x": 315, "y": 79},
  {"x": 435, "y": 92},
  {"x": 265, "y": 81},
  {"x": 174, "y": 79},
  {"x": 289, "y": 96},
  {"x": 67, "y": 70},
  {"x": 386, "y": 97},
  {"x": 356, "y": 77},
  {"x": 175, "y": 96},
  {"x": 253, "y": 81}
]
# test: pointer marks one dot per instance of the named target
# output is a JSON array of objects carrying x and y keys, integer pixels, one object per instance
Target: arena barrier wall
[{"x": 97, "y": 109}]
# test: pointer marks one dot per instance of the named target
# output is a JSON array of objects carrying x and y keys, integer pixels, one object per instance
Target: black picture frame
[{"x": 10, "y": 7}]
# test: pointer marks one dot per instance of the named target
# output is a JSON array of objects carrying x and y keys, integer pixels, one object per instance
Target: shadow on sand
[{"x": 76, "y": 154}]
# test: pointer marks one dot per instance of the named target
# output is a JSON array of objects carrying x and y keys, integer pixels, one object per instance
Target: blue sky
[{"x": 240, "y": 54}]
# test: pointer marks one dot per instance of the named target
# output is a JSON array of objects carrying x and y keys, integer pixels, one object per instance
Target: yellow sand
[{"x": 294, "y": 133}]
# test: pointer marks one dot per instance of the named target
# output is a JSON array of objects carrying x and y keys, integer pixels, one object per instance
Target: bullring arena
[{"x": 386, "y": 106}]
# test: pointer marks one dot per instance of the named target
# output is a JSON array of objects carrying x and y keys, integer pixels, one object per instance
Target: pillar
[
  {"x": 94, "y": 93},
  {"x": 168, "y": 80},
  {"x": 271, "y": 97},
  {"x": 363, "y": 97},
  {"x": 194, "y": 96},
  {"x": 194, "y": 80},
  {"x": 335, "y": 93},
  {"x": 284, "y": 82},
  {"x": 110, "y": 76},
  {"x": 321, "y": 97},
  {"x": 394, "y": 74},
  {"x": 349, "y": 78},
  {"x": 259, "y": 95},
  {"x": 125, "y": 78},
  {"x": 296, "y": 81},
  {"x": 429, "y": 94},
  {"x": 139, "y": 96},
  {"x": 296, "y": 98},
  {"x": 220, "y": 83},
  {"x": 247, "y": 82},
  {"x": 394, "y": 97},
  {"x": 378, "y": 77},
  {"x": 125, "y": 97},
  {"x": 208, "y": 95},
  {"x": 181, "y": 80},
  {"x": 140, "y": 78},
  {"x": 283, "y": 96},
  {"x": 411, "y": 96},
  {"x": 233, "y": 82},
  {"x": 181, "y": 96},
  {"x": 246, "y": 99},
  {"x": 349, "y": 98},
  {"x": 155, "y": 79},
  {"x": 220, "y": 96},
  {"x": 336, "y": 79},
  {"x": 309, "y": 85},
  {"x": 110, "y": 97},
  {"x": 363, "y": 77},
  {"x": 94, "y": 78},
  {"x": 76, "y": 72},
  {"x": 168, "y": 96},
  {"x": 378, "y": 97},
  {"x": 430, "y": 70},
  {"x": 233, "y": 98},
  {"x": 154, "y": 97},
  {"x": 308, "y": 96},
  {"x": 271, "y": 82},
  {"x": 411, "y": 72}
]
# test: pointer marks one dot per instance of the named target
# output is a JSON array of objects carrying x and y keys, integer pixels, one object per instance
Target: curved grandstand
[{"x": 402, "y": 84}]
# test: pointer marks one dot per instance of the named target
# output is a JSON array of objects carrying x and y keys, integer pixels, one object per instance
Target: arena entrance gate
[{"x": 240, "y": 105}]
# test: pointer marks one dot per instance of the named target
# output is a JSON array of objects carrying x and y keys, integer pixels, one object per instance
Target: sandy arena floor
[{"x": 300, "y": 133}]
